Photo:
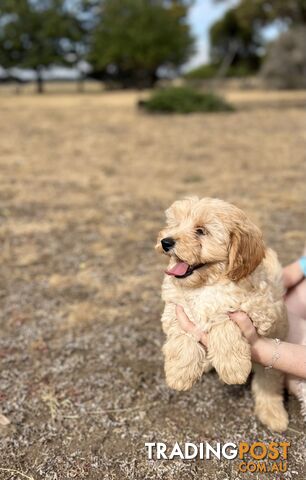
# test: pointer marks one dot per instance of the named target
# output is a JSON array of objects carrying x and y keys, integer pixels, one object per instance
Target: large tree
[
  {"x": 268, "y": 11},
  {"x": 234, "y": 42},
  {"x": 135, "y": 38},
  {"x": 37, "y": 34},
  {"x": 284, "y": 62},
  {"x": 237, "y": 38}
]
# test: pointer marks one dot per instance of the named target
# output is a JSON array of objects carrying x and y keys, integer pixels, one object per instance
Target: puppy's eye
[{"x": 201, "y": 231}]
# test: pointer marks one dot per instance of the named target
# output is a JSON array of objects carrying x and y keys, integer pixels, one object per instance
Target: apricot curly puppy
[{"x": 219, "y": 263}]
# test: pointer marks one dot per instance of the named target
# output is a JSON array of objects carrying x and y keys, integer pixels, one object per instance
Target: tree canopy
[
  {"x": 268, "y": 11},
  {"x": 130, "y": 41},
  {"x": 238, "y": 44},
  {"x": 37, "y": 35},
  {"x": 134, "y": 38},
  {"x": 236, "y": 41}
]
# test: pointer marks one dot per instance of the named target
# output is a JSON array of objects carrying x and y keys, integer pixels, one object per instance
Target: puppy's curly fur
[{"x": 229, "y": 269}]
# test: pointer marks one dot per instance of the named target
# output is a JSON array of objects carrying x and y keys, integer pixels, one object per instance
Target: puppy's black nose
[{"x": 167, "y": 243}]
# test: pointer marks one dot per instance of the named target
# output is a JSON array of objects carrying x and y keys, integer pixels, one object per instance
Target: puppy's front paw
[
  {"x": 185, "y": 362},
  {"x": 234, "y": 370},
  {"x": 273, "y": 415},
  {"x": 237, "y": 373},
  {"x": 230, "y": 353},
  {"x": 178, "y": 379}
]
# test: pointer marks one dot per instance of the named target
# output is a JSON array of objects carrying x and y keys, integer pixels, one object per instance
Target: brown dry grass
[{"x": 84, "y": 182}]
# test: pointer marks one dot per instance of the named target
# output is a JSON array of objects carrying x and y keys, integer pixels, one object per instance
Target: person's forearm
[
  {"x": 292, "y": 274},
  {"x": 291, "y": 358}
]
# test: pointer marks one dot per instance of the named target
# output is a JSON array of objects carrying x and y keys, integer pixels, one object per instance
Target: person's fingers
[
  {"x": 244, "y": 323},
  {"x": 183, "y": 320},
  {"x": 204, "y": 339},
  {"x": 189, "y": 327},
  {"x": 242, "y": 320},
  {"x": 239, "y": 316}
]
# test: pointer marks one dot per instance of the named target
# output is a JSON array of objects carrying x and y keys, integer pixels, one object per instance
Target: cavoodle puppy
[{"x": 218, "y": 263}]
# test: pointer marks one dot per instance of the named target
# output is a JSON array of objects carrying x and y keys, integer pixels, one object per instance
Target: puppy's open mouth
[{"x": 183, "y": 270}]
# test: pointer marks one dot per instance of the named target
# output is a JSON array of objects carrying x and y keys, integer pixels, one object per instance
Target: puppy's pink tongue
[{"x": 179, "y": 269}]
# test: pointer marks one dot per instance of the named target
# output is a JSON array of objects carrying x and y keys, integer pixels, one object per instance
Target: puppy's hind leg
[
  {"x": 267, "y": 388},
  {"x": 185, "y": 361}
]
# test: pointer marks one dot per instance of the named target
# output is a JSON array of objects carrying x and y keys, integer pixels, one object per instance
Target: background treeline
[
  {"x": 131, "y": 43},
  {"x": 239, "y": 47},
  {"x": 124, "y": 41}
]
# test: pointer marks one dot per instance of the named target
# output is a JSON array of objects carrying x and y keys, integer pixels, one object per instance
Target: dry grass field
[{"x": 84, "y": 183}]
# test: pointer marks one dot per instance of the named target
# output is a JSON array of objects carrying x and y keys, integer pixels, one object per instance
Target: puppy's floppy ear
[{"x": 247, "y": 250}]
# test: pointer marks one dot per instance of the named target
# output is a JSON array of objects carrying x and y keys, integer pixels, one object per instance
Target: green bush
[{"x": 184, "y": 100}]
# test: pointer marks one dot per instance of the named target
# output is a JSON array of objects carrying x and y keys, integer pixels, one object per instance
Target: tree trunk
[
  {"x": 154, "y": 78},
  {"x": 227, "y": 60},
  {"x": 80, "y": 84},
  {"x": 39, "y": 82},
  {"x": 17, "y": 88}
]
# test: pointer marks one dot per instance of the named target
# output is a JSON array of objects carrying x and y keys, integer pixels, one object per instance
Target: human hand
[
  {"x": 189, "y": 327},
  {"x": 240, "y": 318},
  {"x": 246, "y": 326},
  {"x": 292, "y": 274},
  {"x": 261, "y": 348}
]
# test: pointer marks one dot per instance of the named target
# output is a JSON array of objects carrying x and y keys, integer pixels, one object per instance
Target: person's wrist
[
  {"x": 253, "y": 338},
  {"x": 256, "y": 348},
  {"x": 293, "y": 273},
  {"x": 286, "y": 278}
]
